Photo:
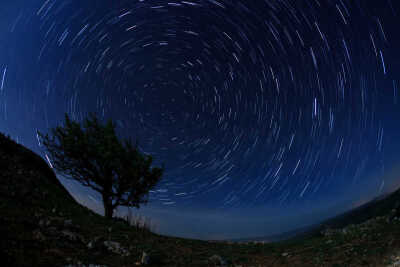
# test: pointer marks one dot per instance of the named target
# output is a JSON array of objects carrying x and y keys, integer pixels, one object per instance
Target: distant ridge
[
  {"x": 379, "y": 206},
  {"x": 292, "y": 234}
]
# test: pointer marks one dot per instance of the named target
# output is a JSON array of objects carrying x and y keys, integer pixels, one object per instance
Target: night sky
[{"x": 268, "y": 115}]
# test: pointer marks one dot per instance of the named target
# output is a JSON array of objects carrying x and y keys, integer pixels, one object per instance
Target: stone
[
  {"x": 112, "y": 244},
  {"x": 71, "y": 236},
  {"x": 145, "y": 260},
  {"x": 44, "y": 222},
  {"x": 116, "y": 248},
  {"x": 38, "y": 235},
  {"x": 90, "y": 245},
  {"x": 285, "y": 254},
  {"x": 396, "y": 263},
  {"x": 52, "y": 231},
  {"x": 97, "y": 242},
  {"x": 217, "y": 260},
  {"x": 364, "y": 235},
  {"x": 67, "y": 223}
]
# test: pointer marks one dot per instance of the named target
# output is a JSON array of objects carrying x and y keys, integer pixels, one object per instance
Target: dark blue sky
[{"x": 268, "y": 115}]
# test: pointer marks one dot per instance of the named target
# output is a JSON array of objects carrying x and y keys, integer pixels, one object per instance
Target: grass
[
  {"x": 33, "y": 201},
  {"x": 138, "y": 222}
]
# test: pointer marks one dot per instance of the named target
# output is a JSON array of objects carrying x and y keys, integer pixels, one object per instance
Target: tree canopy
[{"x": 93, "y": 155}]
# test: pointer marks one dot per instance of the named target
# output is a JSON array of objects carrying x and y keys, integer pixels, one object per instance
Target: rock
[
  {"x": 90, "y": 245},
  {"x": 52, "y": 231},
  {"x": 329, "y": 241},
  {"x": 396, "y": 263},
  {"x": 285, "y": 254},
  {"x": 67, "y": 223},
  {"x": 38, "y": 235},
  {"x": 112, "y": 245},
  {"x": 364, "y": 235},
  {"x": 97, "y": 242},
  {"x": 217, "y": 260},
  {"x": 116, "y": 248},
  {"x": 44, "y": 222},
  {"x": 53, "y": 210},
  {"x": 71, "y": 236},
  {"x": 145, "y": 260}
]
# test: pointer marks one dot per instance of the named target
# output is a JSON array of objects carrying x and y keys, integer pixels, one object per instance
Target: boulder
[
  {"x": 67, "y": 223},
  {"x": 217, "y": 260},
  {"x": 116, "y": 248}
]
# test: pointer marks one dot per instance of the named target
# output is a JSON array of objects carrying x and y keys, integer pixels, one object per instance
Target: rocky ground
[{"x": 42, "y": 225}]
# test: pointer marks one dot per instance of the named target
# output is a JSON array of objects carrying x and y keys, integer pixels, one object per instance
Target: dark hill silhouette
[
  {"x": 386, "y": 205},
  {"x": 42, "y": 225}
]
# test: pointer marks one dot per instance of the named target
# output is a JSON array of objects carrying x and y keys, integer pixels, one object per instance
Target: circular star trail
[{"x": 246, "y": 103}]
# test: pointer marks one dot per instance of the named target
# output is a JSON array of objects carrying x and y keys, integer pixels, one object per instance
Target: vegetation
[
  {"x": 93, "y": 155},
  {"x": 42, "y": 225}
]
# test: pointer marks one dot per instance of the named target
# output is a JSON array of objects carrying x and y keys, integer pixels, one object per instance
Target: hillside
[
  {"x": 42, "y": 225},
  {"x": 377, "y": 207},
  {"x": 293, "y": 234}
]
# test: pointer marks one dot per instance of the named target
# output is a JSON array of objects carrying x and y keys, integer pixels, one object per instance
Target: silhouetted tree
[{"x": 93, "y": 155}]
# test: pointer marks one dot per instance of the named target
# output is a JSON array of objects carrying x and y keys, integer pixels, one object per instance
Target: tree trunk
[{"x": 108, "y": 207}]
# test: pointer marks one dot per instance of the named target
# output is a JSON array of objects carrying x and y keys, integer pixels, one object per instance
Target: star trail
[{"x": 247, "y": 103}]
